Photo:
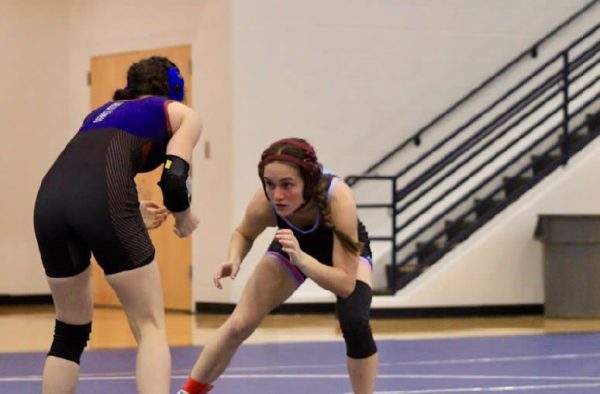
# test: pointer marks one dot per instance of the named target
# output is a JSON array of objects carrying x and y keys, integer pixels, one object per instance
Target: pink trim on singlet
[
  {"x": 291, "y": 268},
  {"x": 366, "y": 261}
]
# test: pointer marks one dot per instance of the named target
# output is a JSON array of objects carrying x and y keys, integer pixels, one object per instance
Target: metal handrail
[
  {"x": 476, "y": 188},
  {"x": 479, "y": 186},
  {"x": 450, "y": 156},
  {"x": 541, "y": 89},
  {"x": 503, "y": 168},
  {"x": 491, "y": 194},
  {"x": 522, "y": 153},
  {"x": 495, "y": 191},
  {"x": 532, "y": 51},
  {"x": 481, "y": 166}
]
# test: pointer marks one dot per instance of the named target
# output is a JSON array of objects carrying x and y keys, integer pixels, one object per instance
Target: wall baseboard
[
  {"x": 37, "y": 299},
  {"x": 462, "y": 311},
  {"x": 320, "y": 308}
]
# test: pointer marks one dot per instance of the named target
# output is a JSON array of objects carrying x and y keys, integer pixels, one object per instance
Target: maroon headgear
[{"x": 308, "y": 165}]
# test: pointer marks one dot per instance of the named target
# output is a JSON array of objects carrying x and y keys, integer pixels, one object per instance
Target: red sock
[{"x": 194, "y": 387}]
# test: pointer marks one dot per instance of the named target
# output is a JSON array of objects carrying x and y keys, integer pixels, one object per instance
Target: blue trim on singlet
[{"x": 313, "y": 228}]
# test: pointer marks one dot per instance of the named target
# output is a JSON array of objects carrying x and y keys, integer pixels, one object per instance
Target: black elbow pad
[{"x": 176, "y": 196}]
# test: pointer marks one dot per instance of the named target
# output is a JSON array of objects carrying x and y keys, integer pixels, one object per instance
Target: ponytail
[{"x": 123, "y": 94}]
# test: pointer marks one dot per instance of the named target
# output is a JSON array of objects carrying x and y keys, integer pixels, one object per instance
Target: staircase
[{"x": 472, "y": 173}]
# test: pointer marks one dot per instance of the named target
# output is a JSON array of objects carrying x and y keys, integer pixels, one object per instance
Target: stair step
[
  {"x": 514, "y": 184},
  {"x": 403, "y": 280},
  {"x": 575, "y": 141},
  {"x": 425, "y": 250},
  {"x": 408, "y": 267},
  {"x": 540, "y": 162},
  {"x": 593, "y": 123},
  {"x": 483, "y": 206},
  {"x": 404, "y": 274},
  {"x": 453, "y": 228}
]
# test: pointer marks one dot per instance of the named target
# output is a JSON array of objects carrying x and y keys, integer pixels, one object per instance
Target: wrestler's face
[{"x": 284, "y": 186}]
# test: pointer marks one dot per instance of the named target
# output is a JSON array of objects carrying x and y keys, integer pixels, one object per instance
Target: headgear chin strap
[
  {"x": 309, "y": 165},
  {"x": 176, "y": 84}
]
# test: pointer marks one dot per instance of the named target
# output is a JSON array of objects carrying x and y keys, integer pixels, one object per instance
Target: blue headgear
[{"x": 176, "y": 84}]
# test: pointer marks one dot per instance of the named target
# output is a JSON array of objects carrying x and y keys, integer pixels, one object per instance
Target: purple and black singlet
[{"x": 88, "y": 201}]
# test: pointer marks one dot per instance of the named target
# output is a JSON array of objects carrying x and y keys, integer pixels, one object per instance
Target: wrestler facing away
[{"x": 88, "y": 203}]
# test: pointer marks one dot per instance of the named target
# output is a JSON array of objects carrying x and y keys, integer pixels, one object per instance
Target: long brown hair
[{"x": 301, "y": 154}]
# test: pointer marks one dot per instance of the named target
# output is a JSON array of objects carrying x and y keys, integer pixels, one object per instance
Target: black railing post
[
  {"x": 393, "y": 276},
  {"x": 565, "y": 107}
]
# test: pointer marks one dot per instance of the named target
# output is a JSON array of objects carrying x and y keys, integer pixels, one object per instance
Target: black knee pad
[
  {"x": 353, "y": 314},
  {"x": 70, "y": 340}
]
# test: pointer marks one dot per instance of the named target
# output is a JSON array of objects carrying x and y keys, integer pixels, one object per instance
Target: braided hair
[
  {"x": 146, "y": 77},
  {"x": 301, "y": 154}
]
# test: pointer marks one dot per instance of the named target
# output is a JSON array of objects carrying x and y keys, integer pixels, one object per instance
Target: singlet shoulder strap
[{"x": 333, "y": 179}]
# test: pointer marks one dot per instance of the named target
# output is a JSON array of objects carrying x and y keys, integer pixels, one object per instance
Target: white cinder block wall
[{"x": 354, "y": 77}]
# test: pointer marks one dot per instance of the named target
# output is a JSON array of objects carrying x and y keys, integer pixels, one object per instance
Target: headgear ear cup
[{"x": 176, "y": 84}]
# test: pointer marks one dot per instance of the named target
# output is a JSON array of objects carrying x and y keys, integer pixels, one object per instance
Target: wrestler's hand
[
  {"x": 153, "y": 214},
  {"x": 185, "y": 223},
  {"x": 290, "y": 245},
  {"x": 228, "y": 269}
]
